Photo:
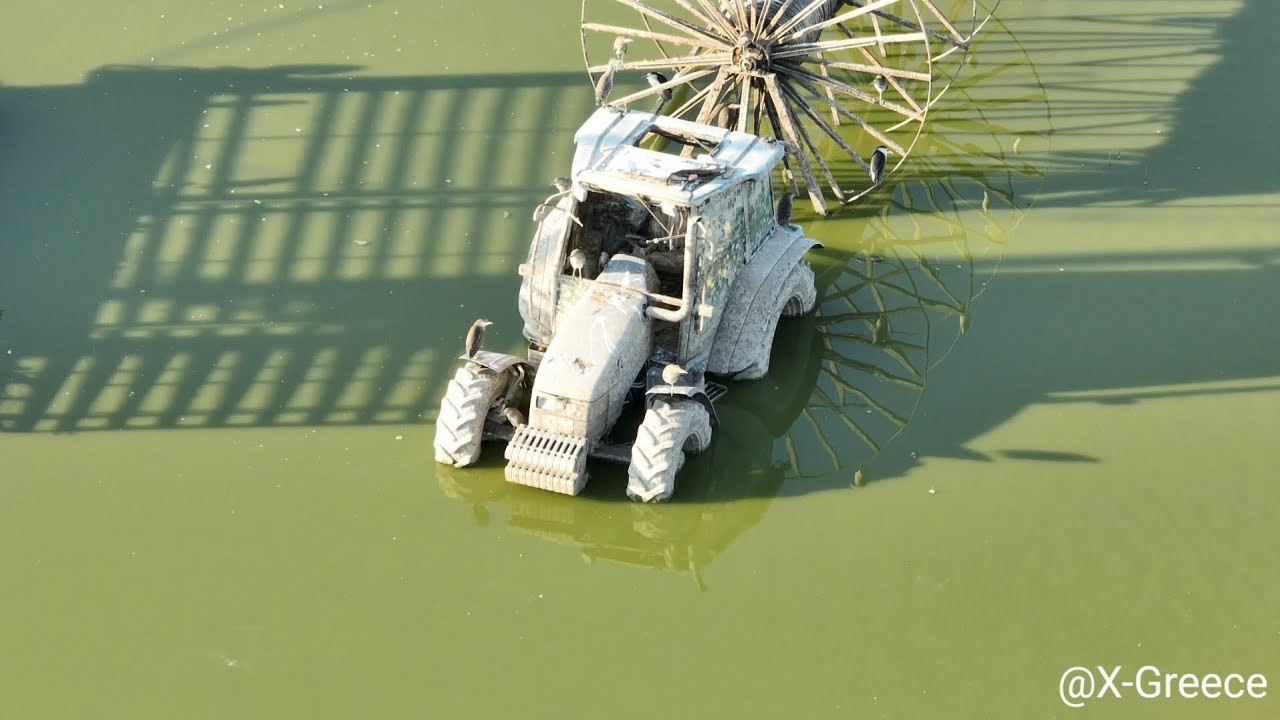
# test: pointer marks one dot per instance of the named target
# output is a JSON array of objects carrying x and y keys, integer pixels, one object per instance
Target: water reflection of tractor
[
  {"x": 651, "y": 270},
  {"x": 724, "y": 492}
]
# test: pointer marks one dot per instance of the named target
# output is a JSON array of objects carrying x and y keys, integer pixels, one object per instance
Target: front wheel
[
  {"x": 671, "y": 428},
  {"x": 460, "y": 425}
]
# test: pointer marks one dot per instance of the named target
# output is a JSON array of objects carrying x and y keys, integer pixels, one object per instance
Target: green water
[{"x": 240, "y": 244}]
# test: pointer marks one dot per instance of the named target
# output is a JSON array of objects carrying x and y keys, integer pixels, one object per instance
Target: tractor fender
[
  {"x": 540, "y": 273},
  {"x": 753, "y": 305},
  {"x": 498, "y": 362},
  {"x": 694, "y": 393}
]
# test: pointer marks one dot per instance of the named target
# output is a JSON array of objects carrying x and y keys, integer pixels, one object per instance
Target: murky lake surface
[{"x": 240, "y": 244}]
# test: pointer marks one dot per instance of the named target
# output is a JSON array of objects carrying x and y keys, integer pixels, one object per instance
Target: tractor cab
[
  {"x": 659, "y": 262},
  {"x": 695, "y": 202}
]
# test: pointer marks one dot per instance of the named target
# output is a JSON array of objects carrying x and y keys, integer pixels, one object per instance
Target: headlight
[{"x": 558, "y": 406}]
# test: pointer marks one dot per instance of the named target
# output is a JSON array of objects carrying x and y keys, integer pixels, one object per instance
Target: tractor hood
[{"x": 600, "y": 346}]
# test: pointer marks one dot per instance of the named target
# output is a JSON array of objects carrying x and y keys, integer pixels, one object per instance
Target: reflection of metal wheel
[
  {"x": 793, "y": 69},
  {"x": 671, "y": 428},
  {"x": 460, "y": 426}
]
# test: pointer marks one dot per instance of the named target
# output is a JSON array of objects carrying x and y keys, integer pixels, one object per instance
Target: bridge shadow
[
  {"x": 190, "y": 247},
  {"x": 1151, "y": 121}
]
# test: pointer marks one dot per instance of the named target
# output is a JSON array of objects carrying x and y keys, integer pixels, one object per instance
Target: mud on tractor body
[{"x": 665, "y": 263}]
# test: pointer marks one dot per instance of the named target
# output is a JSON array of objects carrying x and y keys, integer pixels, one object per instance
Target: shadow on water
[
  {"x": 160, "y": 270},
  {"x": 1207, "y": 125},
  {"x": 157, "y": 275}
]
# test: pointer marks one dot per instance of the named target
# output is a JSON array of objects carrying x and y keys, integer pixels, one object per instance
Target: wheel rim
[{"x": 801, "y": 71}]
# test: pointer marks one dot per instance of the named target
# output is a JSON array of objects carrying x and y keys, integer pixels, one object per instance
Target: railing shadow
[{"x": 192, "y": 247}]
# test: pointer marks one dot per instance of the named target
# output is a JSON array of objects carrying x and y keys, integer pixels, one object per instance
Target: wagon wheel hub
[{"x": 749, "y": 56}]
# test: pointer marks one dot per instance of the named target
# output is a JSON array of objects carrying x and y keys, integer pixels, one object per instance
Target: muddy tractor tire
[
  {"x": 802, "y": 293},
  {"x": 798, "y": 297},
  {"x": 671, "y": 429},
  {"x": 460, "y": 426}
]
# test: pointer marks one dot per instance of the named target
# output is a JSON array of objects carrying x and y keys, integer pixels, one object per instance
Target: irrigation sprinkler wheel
[{"x": 831, "y": 79}]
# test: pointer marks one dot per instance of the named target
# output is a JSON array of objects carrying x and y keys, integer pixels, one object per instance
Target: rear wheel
[
  {"x": 802, "y": 294},
  {"x": 799, "y": 295},
  {"x": 460, "y": 425},
  {"x": 672, "y": 427}
]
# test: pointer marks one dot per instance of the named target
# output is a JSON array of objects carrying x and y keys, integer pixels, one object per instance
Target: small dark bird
[
  {"x": 876, "y": 169},
  {"x": 785, "y": 204},
  {"x": 577, "y": 261},
  {"x": 604, "y": 85},
  {"x": 672, "y": 373},
  {"x": 880, "y": 333},
  {"x": 656, "y": 79},
  {"x": 880, "y": 84},
  {"x": 475, "y": 337},
  {"x": 513, "y": 416},
  {"x": 562, "y": 184},
  {"x": 728, "y": 117}
]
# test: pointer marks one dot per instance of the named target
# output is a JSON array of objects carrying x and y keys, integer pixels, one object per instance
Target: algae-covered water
[{"x": 239, "y": 246}]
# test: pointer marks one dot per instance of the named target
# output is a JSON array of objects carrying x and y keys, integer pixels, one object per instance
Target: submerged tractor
[
  {"x": 665, "y": 260},
  {"x": 668, "y": 257}
]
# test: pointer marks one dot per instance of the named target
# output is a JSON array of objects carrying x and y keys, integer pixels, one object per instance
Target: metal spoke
[
  {"x": 914, "y": 26},
  {"x": 673, "y": 21},
  {"x": 945, "y": 22},
  {"x": 777, "y": 14},
  {"x": 744, "y": 104},
  {"x": 875, "y": 27},
  {"x": 890, "y": 74},
  {"x": 870, "y": 129},
  {"x": 677, "y": 80},
  {"x": 831, "y": 95},
  {"x": 691, "y": 102},
  {"x": 675, "y": 62},
  {"x": 702, "y": 18},
  {"x": 869, "y": 7},
  {"x": 808, "y": 140},
  {"x": 893, "y": 82},
  {"x": 799, "y": 18},
  {"x": 822, "y": 124},
  {"x": 796, "y": 71},
  {"x": 717, "y": 18},
  {"x": 885, "y": 70},
  {"x": 789, "y": 128},
  {"x": 831, "y": 45},
  {"x": 713, "y": 98},
  {"x": 649, "y": 35},
  {"x": 760, "y": 13},
  {"x": 739, "y": 12}
]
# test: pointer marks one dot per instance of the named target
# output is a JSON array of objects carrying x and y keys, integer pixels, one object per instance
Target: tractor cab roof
[{"x": 614, "y": 155}]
